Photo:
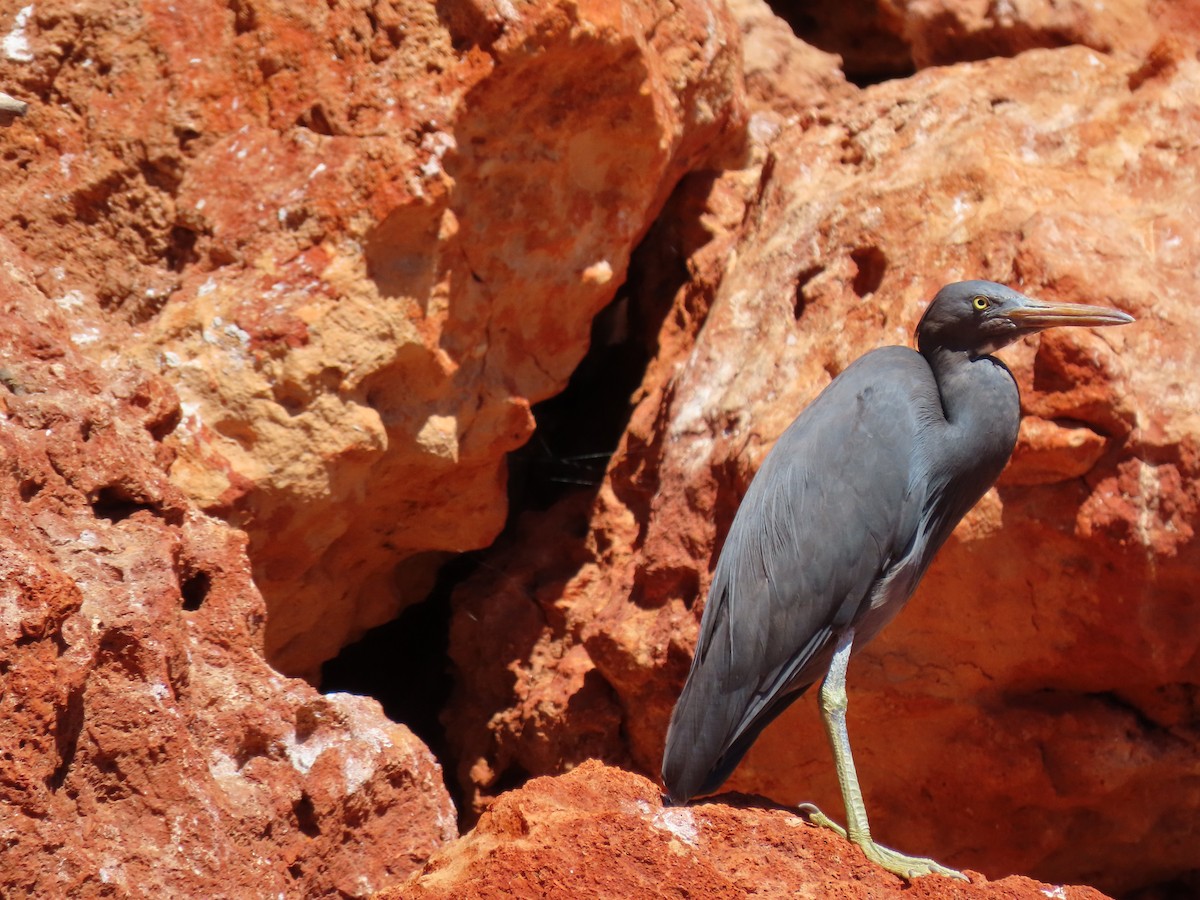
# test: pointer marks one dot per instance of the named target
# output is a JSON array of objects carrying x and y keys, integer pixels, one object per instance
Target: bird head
[{"x": 980, "y": 317}]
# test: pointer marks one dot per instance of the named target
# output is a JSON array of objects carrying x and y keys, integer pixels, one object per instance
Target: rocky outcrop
[
  {"x": 1035, "y": 708},
  {"x": 359, "y": 241},
  {"x": 602, "y": 832},
  {"x": 146, "y": 749},
  {"x": 304, "y": 269}
]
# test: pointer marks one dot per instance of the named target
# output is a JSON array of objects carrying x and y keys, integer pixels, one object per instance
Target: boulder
[
  {"x": 1034, "y": 710},
  {"x": 604, "y": 832},
  {"x": 359, "y": 241},
  {"x": 146, "y": 747}
]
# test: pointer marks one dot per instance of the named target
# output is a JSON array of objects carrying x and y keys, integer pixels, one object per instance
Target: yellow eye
[{"x": 980, "y": 303}]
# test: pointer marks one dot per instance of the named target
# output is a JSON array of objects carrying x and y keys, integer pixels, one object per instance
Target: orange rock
[
  {"x": 350, "y": 245},
  {"x": 603, "y": 832},
  {"x": 146, "y": 748},
  {"x": 1033, "y": 709},
  {"x": 359, "y": 241}
]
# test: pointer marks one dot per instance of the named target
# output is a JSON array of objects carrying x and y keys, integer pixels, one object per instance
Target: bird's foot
[{"x": 907, "y": 867}]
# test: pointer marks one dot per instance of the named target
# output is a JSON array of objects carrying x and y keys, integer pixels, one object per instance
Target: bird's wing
[{"x": 837, "y": 502}]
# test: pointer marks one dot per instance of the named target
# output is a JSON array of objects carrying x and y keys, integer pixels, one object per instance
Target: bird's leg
[{"x": 833, "y": 709}]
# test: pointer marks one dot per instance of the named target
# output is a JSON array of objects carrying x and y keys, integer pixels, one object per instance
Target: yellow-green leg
[{"x": 833, "y": 709}]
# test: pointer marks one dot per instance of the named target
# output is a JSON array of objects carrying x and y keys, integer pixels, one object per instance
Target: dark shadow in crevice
[
  {"x": 579, "y": 429},
  {"x": 1184, "y": 887},
  {"x": 194, "y": 588},
  {"x": 118, "y": 501},
  {"x": 405, "y": 665},
  {"x": 306, "y": 816},
  {"x": 68, "y": 726},
  {"x": 856, "y": 30}
]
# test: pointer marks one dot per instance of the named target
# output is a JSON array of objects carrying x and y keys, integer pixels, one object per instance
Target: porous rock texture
[
  {"x": 1037, "y": 708},
  {"x": 146, "y": 748},
  {"x": 603, "y": 832},
  {"x": 304, "y": 267},
  {"x": 307, "y": 267},
  {"x": 360, "y": 239}
]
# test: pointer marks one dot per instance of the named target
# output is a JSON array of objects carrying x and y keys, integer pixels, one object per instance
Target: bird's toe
[
  {"x": 815, "y": 817},
  {"x": 908, "y": 867}
]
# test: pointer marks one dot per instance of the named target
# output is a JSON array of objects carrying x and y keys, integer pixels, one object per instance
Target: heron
[{"x": 839, "y": 525}]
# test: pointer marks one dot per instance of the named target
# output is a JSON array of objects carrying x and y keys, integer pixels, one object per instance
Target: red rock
[
  {"x": 359, "y": 241},
  {"x": 603, "y": 832},
  {"x": 146, "y": 748},
  {"x": 1033, "y": 710},
  {"x": 312, "y": 266},
  {"x": 340, "y": 244}
]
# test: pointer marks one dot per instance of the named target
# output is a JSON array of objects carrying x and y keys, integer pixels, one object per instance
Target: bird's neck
[
  {"x": 982, "y": 412},
  {"x": 974, "y": 389}
]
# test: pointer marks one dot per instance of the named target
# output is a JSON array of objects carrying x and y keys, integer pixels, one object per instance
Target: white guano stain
[
  {"x": 680, "y": 822},
  {"x": 16, "y": 42},
  {"x": 70, "y": 301}
]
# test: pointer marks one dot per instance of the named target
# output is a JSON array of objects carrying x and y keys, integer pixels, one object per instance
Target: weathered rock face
[
  {"x": 146, "y": 747},
  {"x": 359, "y": 241},
  {"x": 602, "y": 832},
  {"x": 306, "y": 267},
  {"x": 309, "y": 267},
  {"x": 1035, "y": 709}
]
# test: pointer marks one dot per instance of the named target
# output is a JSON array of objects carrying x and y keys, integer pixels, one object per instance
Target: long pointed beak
[{"x": 1035, "y": 316}]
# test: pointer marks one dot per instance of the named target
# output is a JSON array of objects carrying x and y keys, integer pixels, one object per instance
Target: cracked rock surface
[
  {"x": 359, "y": 240},
  {"x": 603, "y": 832},
  {"x": 282, "y": 285},
  {"x": 146, "y": 748}
]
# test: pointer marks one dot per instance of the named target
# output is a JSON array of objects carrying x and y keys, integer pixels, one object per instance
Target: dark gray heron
[{"x": 838, "y": 527}]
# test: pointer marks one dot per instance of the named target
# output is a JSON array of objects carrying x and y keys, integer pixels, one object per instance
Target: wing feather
[{"x": 834, "y": 506}]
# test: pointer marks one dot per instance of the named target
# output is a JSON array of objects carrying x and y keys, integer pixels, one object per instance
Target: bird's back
[{"x": 835, "y": 508}]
